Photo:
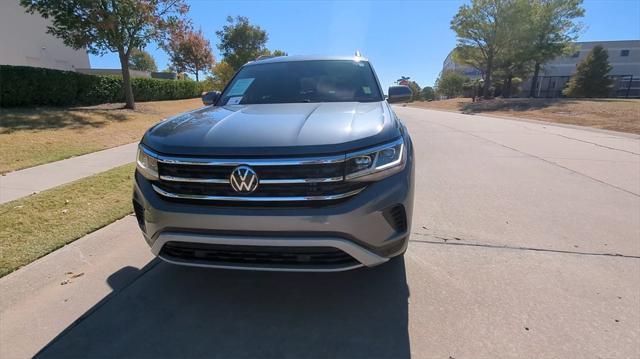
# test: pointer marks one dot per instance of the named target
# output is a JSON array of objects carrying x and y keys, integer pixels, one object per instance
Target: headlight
[
  {"x": 147, "y": 164},
  {"x": 377, "y": 162}
]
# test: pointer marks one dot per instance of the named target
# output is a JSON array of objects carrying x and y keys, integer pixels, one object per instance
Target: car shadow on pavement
[{"x": 171, "y": 311}]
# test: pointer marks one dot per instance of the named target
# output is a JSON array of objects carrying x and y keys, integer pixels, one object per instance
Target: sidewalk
[
  {"x": 39, "y": 178},
  {"x": 40, "y": 300}
]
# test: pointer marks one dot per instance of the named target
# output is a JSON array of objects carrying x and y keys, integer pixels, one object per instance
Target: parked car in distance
[{"x": 299, "y": 164}]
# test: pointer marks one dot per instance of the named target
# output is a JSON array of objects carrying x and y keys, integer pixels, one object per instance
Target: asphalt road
[{"x": 526, "y": 243}]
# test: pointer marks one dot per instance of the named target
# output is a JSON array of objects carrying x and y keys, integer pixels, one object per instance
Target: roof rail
[{"x": 264, "y": 57}]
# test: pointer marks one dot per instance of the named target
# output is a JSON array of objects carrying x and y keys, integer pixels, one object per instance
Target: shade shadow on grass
[{"x": 14, "y": 120}]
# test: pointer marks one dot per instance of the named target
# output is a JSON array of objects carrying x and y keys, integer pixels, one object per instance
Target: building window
[
  {"x": 624, "y": 52},
  {"x": 576, "y": 54}
]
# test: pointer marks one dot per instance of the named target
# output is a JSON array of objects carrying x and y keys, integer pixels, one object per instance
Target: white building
[
  {"x": 624, "y": 58},
  {"x": 449, "y": 65},
  {"x": 24, "y": 41}
]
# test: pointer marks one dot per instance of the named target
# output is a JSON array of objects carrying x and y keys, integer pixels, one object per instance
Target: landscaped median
[
  {"x": 34, "y": 136},
  {"x": 34, "y": 226}
]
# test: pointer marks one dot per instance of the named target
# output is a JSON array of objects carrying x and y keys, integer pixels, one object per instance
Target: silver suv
[{"x": 300, "y": 164}]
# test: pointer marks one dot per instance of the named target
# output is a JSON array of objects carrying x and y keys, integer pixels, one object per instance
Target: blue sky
[{"x": 401, "y": 38}]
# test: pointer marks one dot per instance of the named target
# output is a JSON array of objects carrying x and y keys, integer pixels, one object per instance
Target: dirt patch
[{"x": 610, "y": 114}]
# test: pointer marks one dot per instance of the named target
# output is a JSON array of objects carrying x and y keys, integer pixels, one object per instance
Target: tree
[
  {"x": 222, "y": 74},
  {"x": 428, "y": 93},
  {"x": 241, "y": 42},
  {"x": 513, "y": 65},
  {"x": 110, "y": 26},
  {"x": 450, "y": 84},
  {"x": 275, "y": 53},
  {"x": 142, "y": 61},
  {"x": 403, "y": 80},
  {"x": 553, "y": 28},
  {"x": 482, "y": 29},
  {"x": 514, "y": 62},
  {"x": 415, "y": 88},
  {"x": 189, "y": 51},
  {"x": 590, "y": 79}
]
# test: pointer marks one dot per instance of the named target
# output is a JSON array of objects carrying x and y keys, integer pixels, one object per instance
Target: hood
[{"x": 274, "y": 129}]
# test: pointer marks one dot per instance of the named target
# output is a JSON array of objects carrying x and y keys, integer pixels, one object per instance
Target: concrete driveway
[{"x": 526, "y": 243}]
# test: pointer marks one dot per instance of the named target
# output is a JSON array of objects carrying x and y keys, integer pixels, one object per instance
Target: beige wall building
[{"x": 24, "y": 41}]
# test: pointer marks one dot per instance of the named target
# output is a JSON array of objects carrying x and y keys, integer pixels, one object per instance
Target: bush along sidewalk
[{"x": 24, "y": 86}]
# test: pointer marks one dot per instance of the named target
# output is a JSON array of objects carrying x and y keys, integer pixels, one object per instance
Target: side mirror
[
  {"x": 209, "y": 98},
  {"x": 399, "y": 94}
]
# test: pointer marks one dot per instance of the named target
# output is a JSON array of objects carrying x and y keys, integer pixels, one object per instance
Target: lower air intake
[
  {"x": 256, "y": 255},
  {"x": 396, "y": 216}
]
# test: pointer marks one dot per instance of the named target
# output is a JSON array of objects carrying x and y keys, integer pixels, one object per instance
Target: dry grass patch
[
  {"x": 34, "y": 226},
  {"x": 610, "y": 114},
  {"x": 29, "y": 137}
]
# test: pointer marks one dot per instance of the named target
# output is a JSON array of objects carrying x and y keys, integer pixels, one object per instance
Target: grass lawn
[
  {"x": 36, "y": 225},
  {"x": 30, "y": 137},
  {"x": 610, "y": 114}
]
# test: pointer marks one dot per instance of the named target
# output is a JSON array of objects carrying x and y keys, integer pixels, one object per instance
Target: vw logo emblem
[{"x": 243, "y": 179}]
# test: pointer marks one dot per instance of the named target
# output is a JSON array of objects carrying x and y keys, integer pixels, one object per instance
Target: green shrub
[
  {"x": 22, "y": 86},
  {"x": 94, "y": 90}
]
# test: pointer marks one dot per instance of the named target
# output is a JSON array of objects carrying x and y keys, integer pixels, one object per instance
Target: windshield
[{"x": 303, "y": 81}]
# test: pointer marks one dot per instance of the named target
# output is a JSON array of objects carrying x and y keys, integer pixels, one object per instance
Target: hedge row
[{"x": 23, "y": 86}]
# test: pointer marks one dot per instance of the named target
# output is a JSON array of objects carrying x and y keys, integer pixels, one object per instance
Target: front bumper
[{"x": 359, "y": 226}]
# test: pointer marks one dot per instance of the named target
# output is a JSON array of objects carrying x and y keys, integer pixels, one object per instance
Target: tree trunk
[
  {"x": 487, "y": 80},
  {"x": 534, "y": 80},
  {"x": 197, "y": 74},
  {"x": 126, "y": 80},
  {"x": 506, "y": 91},
  {"x": 504, "y": 88}
]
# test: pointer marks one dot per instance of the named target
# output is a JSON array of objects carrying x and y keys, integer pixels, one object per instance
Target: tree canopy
[
  {"x": 142, "y": 61},
  {"x": 553, "y": 27},
  {"x": 241, "y": 42},
  {"x": 118, "y": 26},
  {"x": 428, "y": 93},
  {"x": 450, "y": 84},
  {"x": 507, "y": 39},
  {"x": 222, "y": 74},
  {"x": 275, "y": 53},
  {"x": 591, "y": 78},
  {"x": 189, "y": 51},
  {"x": 483, "y": 29},
  {"x": 415, "y": 88}
]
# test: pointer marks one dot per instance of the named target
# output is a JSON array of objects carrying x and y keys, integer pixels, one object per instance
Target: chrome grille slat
[
  {"x": 195, "y": 180},
  {"x": 301, "y": 180},
  {"x": 252, "y": 162},
  {"x": 257, "y": 199},
  {"x": 262, "y": 181}
]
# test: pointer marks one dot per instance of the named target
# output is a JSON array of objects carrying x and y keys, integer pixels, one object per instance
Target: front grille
[
  {"x": 317, "y": 179},
  {"x": 329, "y": 170},
  {"x": 256, "y": 255}
]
